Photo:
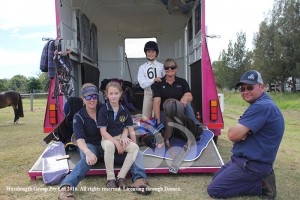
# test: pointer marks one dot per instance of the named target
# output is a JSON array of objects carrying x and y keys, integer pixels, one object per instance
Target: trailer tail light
[
  {"x": 213, "y": 110},
  {"x": 52, "y": 114}
]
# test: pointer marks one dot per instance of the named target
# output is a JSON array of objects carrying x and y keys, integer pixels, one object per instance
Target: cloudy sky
[
  {"x": 228, "y": 17},
  {"x": 23, "y": 24}
]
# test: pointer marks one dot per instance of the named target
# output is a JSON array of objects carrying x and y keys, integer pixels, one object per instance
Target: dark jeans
[
  {"x": 82, "y": 168},
  {"x": 238, "y": 177}
]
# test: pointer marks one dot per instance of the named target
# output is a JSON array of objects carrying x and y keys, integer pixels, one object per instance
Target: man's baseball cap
[{"x": 250, "y": 77}]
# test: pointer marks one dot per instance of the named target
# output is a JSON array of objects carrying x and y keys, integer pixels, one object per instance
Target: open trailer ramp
[{"x": 209, "y": 161}]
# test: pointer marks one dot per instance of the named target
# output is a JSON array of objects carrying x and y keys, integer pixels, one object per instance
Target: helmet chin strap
[{"x": 150, "y": 59}]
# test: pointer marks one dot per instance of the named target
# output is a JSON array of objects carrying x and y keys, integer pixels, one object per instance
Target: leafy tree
[
  {"x": 219, "y": 68},
  {"x": 288, "y": 22},
  {"x": 277, "y": 51},
  {"x": 266, "y": 53},
  {"x": 33, "y": 85},
  {"x": 45, "y": 81},
  {"x": 17, "y": 83},
  {"x": 222, "y": 71},
  {"x": 232, "y": 63},
  {"x": 3, "y": 85}
]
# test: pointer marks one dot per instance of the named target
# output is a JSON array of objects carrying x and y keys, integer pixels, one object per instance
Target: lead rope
[{"x": 128, "y": 67}]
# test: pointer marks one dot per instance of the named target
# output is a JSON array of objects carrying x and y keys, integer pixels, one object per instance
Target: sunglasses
[
  {"x": 88, "y": 98},
  {"x": 249, "y": 88},
  {"x": 171, "y": 67}
]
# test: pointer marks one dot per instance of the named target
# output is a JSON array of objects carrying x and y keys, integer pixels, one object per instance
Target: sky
[{"x": 23, "y": 24}]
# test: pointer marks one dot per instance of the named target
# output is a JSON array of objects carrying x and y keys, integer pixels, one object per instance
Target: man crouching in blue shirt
[{"x": 256, "y": 139}]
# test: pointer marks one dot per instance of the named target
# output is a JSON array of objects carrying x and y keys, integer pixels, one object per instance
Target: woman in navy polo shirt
[
  {"x": 115, "y": 123},
  {"x": 88, "y": 140}
]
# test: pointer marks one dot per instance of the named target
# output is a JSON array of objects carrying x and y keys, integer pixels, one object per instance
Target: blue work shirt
[
  {"x": 266, "y": 123},
  {"x": 114, "y": 122}
]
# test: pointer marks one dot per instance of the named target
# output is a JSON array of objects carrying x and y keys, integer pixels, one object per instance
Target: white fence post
[
  {"x": 31, "y": 96},
  {"x": 221, "y": 100}
]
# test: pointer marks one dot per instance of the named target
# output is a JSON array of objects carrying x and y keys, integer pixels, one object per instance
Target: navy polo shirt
[
  {"x": 85, "y": 127},
  {"x": 114, "y": 125},
  {"x": 266, "y": 123},
  {"x": 165, "y": 91}
]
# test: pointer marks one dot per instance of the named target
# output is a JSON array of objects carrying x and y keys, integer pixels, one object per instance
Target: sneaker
[
  {"x": 65, "y": 193},
  {"x": 142, "y": 186},
  {"x": 111, "y": 184},
  {"x": 269, "y": 186},
  {"x": 122, "y": 183}
]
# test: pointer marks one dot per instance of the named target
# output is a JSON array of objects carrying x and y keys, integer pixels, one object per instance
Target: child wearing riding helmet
[{"x": 148, "y": 73}]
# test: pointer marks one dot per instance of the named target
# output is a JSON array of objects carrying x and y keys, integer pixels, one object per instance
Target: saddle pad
[
  {"x": 54, "y": 168},
  {"x": 176, "y": 146}
]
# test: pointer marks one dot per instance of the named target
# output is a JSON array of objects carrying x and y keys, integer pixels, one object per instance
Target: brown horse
[{"x": 12, "y": 98}]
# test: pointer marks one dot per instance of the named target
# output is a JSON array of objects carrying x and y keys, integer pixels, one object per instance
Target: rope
[{"x": 128, "y": 67}]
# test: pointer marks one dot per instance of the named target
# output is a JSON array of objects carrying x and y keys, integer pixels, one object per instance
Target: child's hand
[
  {"x": 119, "y": 148},
  {"x": 125, "y": 142},
  {"x": 157, "y": 79},
  {"x": 159, "y": 145}
]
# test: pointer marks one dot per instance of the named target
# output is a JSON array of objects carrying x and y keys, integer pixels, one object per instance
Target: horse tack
[{"x": 12, "y": 98}]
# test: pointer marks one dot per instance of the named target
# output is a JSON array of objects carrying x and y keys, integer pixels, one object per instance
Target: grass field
[{"x": 20, "y": 149}]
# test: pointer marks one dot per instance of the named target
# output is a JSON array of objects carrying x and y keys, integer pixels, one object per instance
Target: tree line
[
  {"x": 276, "y": 51},
  {"x": 20, "y": 83}
]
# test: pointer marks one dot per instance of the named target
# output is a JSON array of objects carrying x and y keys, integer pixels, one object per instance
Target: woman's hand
[
  {"x": 91, "y": 159},
  {"x": 184, "y": 101}
]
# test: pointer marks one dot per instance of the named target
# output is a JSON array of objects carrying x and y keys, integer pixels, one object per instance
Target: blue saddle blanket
[{"x": 176, "y": 145}]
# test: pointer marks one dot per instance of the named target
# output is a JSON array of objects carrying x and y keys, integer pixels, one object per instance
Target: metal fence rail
[{"x": 31, "y": 96}]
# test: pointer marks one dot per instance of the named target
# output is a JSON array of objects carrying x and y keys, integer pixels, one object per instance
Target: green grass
[
  {"x": 20, "y": 148},
  {"x": 285, "y": 101}
]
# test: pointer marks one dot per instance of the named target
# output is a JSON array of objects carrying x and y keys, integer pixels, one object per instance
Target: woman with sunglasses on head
[
  {"x": 256, "y": 139},
  {"x": 175, "y": 87},
  {"x": 115, "y": 123}
]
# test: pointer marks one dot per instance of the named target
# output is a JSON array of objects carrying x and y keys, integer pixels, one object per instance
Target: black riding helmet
[{"x": 151, "y": 45}]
